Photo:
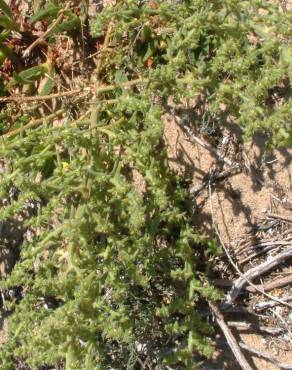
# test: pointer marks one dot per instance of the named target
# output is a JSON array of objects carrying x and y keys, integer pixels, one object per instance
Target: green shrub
[
  {"x": 110, "y": 276},
  {"x": 235, "y": 56},
  {"x": 110, "y": 267}
]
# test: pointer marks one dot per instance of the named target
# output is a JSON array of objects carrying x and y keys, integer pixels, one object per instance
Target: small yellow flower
[{"x": 65, "y": 166}]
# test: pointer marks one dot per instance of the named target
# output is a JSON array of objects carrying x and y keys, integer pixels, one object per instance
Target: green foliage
[
  {"x": 114, "y": 271},
  {"x": 6, "y": 20},
  {"x": 112, "y": 267},
  {"x": 235, "y": 56}
]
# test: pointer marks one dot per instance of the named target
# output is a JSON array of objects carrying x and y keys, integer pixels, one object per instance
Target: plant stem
[{"x": 33, "y": 123}]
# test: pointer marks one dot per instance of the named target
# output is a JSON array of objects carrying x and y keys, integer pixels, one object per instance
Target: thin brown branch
[
  {"x": 229, "y": 337},
  {"x": 266, "y": 356},
  {"x": 33, "y": 123},
  {"x": 234, "y": 264},
  {"x": 273, "y": 284},
  {"x": 258, "y": 271},
  {"x": 195, "y": 190},
  {"x": 20, "y": 99},
  {"x": 280, "y": 217}
]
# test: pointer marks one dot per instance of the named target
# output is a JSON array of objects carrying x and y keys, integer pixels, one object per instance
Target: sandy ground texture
[{"x": 235, "y": 205}]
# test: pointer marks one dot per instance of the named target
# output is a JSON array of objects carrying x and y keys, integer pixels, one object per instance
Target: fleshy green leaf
[
  {"x": 8, "y": 23},
  {"x": 50, "y": 11},
  {"x": 5, "y": 9},
  {"x": 28, "y": 76}
]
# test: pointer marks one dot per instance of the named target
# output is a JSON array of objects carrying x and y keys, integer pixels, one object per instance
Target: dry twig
[
  {"x": 195, "y": 190},
  {"x": 280, "y": 217},
  {"x": 229, "y": 337},
  {"x": 266, "y": 356},
  {"x": 22, "y": 99},
  {"x": 257, "y": 271},
  {"x": 246, "y": 279},
  {"x": 273, "y": 284},
  {"x": 268, "y": 304}
]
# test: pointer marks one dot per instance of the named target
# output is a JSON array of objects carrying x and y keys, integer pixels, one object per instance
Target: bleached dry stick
[
  {"x": 268, "y": 304},
  {"x": 229, "y": 337},
  {"x": 213, "y": 150},
  {"x": 259, "y": 270},
  {"x": 242, "y": 325}
]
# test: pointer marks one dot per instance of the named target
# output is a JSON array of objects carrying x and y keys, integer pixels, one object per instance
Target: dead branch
[
  {"x": 242, "y": 276},
  {"x": 280, "y": 217},
  {"x": 257, "y": 271},
  {"x": 243, "y": 325},
  {"x": 266, "y": 356},
  {"x": 195, "y": 190},
  {"x": 21, "y": 99},
  {"x": 211, "y": 149},
  {"x": 229, "y": 337},
  {"x": 273, "y": 284},
  {"x": 268, "y": 304},
  {"x": 241, "y": 261}
]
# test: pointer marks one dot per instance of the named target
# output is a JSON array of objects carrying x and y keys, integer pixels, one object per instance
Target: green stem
[
  {"x": 33, "y": 123},
  {"x": 138, "y": 81}
]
